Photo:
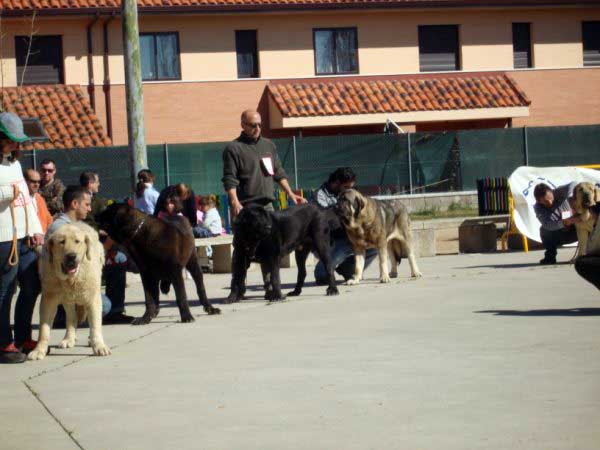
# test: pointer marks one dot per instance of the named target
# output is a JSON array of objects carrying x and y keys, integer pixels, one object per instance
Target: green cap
[{"x": 12, "y": 126}]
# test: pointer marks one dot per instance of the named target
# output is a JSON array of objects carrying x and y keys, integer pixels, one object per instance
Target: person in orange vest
[{"x": 33, "y": 180}]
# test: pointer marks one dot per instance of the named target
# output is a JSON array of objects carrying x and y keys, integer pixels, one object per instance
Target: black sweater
[{"x": 244, "y": 171}]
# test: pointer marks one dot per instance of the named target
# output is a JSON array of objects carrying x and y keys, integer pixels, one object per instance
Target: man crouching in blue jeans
[
  {"x": 553, "y": 210},
  {"x": 342, "y": 255}
]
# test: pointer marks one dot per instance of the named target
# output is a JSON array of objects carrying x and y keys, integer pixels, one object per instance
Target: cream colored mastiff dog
[{"x": 71, "y": 271}]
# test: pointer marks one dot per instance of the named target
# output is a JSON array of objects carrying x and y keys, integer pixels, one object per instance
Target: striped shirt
[{"x": 325, "y": 198}]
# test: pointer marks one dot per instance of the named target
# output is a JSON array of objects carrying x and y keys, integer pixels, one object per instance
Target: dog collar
[{"x": 138, "y": 228}]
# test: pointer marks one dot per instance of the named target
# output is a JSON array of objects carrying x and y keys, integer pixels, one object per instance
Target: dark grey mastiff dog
[
  {"x": 380, "y": 224},
  {"x": 265, "y": 237}
]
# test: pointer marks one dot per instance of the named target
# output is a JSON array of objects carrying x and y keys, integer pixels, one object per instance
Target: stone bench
[
  {"x": 423, "y": 239},
  {"x": 479, "y": 234},
  {"x": 222, "y": 247}
]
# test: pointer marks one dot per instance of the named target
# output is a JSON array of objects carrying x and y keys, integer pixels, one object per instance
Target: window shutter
[
  {"x": 438, "y": 48},
  {"x": 521, "y": 45},
  {"x": 591, "y": 43},
  {"x": 44, "y": 64}
]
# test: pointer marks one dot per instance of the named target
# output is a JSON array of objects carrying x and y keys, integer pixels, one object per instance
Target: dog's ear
[
  {"x": 50, "y": 249},
  {"x": 88, "y": 247},
  {"x": 359, "y": 205},
  {"x": 577, "y": 197}
]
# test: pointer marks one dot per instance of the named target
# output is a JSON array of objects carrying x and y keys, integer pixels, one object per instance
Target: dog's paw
[
  {"x": 352, "y": 281},
  {"x": 276, "y": 297},
  {"x": 37, "y": 354},
  {"x": 234, "y": 298},
  {"x": 394, "y": 274},
  {"x": 101, "y": 349},
  {"x": 384, "y": 279},
  {"x": 332, "y": 291},
  {"x": 295, "y": 293},
  {"x": 417, "y": 274},
  {"x": 67, "y": 343},
  {"x": 187, "y": 318},
  {"x": 155, "y": 313},
  {"x": 144, "y": 320},
  {"x": 211, "y": 310}
]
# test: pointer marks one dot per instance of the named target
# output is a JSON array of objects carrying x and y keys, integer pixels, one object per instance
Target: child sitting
[{"x": 211, "y": 224}]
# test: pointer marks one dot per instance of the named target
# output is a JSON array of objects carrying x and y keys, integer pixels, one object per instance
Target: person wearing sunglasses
[
  {"x": 251, "y": 165},
  {"x": 33, "y": 180},
  {"x": 51, "y": 188}
]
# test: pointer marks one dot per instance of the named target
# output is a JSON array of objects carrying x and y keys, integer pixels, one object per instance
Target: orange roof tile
[
  {"x": 16, "y": 6},
  {"x": 64, "y": 111},
  {"x": 369, "y": 95}
]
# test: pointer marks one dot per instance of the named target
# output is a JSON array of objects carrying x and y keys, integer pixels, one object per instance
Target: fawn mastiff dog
[
  {"x": 382, "y": 224},
  {"x": 587, "y": 196}
]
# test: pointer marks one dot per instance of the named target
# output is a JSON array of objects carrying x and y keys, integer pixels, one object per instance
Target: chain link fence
[{"x": 384, "y": 163}]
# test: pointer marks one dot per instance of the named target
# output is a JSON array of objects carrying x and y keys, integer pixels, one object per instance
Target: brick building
[{"x": 310, "y": 66}]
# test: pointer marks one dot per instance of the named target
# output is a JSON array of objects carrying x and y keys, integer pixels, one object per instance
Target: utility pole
[{"x": 133, "y": 89}]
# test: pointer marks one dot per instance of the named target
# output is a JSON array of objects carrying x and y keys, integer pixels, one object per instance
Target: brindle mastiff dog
[
  {"x": 161, "y": 250},
  {"x": 382, "y": 224}
]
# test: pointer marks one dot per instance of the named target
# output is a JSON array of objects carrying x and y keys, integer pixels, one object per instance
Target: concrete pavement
[{"x": 485, "y": 352}]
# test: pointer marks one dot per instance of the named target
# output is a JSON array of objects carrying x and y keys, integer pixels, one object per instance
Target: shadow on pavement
[
  {"x": 514, "y": 266},
  {"x": 571, "y": 312}
]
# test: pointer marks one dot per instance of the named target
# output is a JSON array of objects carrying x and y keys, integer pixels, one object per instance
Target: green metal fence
[{"x": 384, "y": 163}]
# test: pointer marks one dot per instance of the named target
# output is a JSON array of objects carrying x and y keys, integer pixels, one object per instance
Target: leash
[{"x": 13, "y": 258}]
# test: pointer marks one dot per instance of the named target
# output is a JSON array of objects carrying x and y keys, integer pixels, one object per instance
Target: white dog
[{"x": 71, "y": 271}]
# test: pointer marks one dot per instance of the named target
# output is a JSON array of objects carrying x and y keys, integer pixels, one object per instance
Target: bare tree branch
[{"x": 32, "y": 32}]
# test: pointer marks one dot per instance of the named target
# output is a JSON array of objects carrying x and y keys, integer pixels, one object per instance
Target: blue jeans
[
  {"x": 106, "y": 305},
  {"x": 29, "y": 289},
  {"x": 8, "y": 280},
  {"x": 115, "y": 276},
  {"x": 556, "y": 238},
  {"x": 342, "y": 251},
  {"x": 201, "y": 232}
]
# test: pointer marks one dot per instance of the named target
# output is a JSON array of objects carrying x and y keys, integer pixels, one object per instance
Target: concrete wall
[
  {"x": 73, "y": 31},
  {"x": 560, "y": 97},
  {"x": 188, "y": 112},
  {"x": 388, "y": 40},
  {"x": 205, "y": 104},
  {"x": 440, "y": 202}
]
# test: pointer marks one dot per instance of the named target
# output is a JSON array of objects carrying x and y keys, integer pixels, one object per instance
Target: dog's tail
[
  {"x": 397, "y": 249},
  {"x": 165, "y": 285}
]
